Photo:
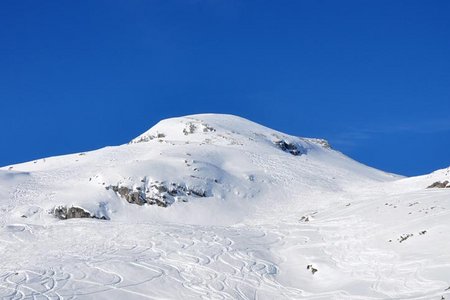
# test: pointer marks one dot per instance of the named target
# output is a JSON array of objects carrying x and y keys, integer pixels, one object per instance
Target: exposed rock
[
  {"x": 207, "y": 128},
  {"x": 64, "y": 213},
  {"x": 313, "y": 270},
  {"x": 290, "y": 148},
  {"x": 404, "y": 237},
  {"x": 251, "y": 177},
  {"x": 148, "y": 138},
  {"x": 156, "y": 193},
  {"x": 142, "y": 139},
  {"x": 189, "y": 129},
  {"x": 321, "y": 142},
  {"x": 305, "y": 218},
  {"x": 193, "y": 128},
  {"x": 439, "y": 185}
]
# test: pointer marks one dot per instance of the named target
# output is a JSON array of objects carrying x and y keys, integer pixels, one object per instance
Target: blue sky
[{"x": 372, "y": 77}]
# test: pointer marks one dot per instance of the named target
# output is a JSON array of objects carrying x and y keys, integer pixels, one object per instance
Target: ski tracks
[{"x": 156, "y": 261}]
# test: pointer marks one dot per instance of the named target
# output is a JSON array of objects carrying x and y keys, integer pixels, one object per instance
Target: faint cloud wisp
[{"x": 354, "y": 136}]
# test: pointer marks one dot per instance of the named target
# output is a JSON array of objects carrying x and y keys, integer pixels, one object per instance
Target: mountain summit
[
  {"x": 211, "y": 156},
  {"x": 217, "y": 206}
]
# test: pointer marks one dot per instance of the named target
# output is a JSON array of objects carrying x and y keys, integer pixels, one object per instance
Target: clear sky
[{"x": 372, "y": 77}]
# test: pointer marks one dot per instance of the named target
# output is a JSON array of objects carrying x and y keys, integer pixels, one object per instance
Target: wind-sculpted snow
[{"x": 218, "y": 207}]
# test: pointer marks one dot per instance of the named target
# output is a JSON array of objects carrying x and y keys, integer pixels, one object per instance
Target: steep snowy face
[
  {"x": 194, "y": 162},
  {"x": 228, "y": 157}
]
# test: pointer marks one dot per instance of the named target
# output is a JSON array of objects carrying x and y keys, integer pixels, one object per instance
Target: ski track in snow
[
  {"x": 76, "y": 260},
  {"x": 188, "y": 257}
]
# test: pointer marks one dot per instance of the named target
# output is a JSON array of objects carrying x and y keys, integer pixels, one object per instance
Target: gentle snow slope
[{"x": 238, "y": 211}]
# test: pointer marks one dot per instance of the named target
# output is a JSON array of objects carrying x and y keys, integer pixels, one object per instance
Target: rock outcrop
[
  {"x": 321, "y": 142},
  {"x": 439, "y": 185},
  {"x": 192, "y": 127},
  {"x": 148, "y": 138},
  {"x": 158, "y": 193},
  {"x": 291, "y": 148},
  {"x": 64, "y": 213}
]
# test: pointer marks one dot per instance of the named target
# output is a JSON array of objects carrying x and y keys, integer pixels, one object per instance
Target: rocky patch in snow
[
  {"x": 291, "y": 148},
  {"x": 310, "y": 267},
  {"x": 63, "y": 213},
  {"x": 148, "y": 138},
  {"x": 439, "y": 185},
  {"x": 406, "y": 236},
  {"x": 192, "y": 127},
  {"x": 321, "y": 142},
  {"x": 307, "y": 218},
  {"x": 158, "y": 193}
]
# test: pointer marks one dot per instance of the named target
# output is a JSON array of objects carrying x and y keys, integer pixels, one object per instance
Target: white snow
[{"x": 246, "y": 221}]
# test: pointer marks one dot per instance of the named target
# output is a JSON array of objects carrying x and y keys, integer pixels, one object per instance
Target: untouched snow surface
[{"x": 239, "y": 211}]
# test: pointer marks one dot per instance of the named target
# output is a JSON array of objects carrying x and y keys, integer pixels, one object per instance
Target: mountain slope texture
[{"x": 217, "y": 207}]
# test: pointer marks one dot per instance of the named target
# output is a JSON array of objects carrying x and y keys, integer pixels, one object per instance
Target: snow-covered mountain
[{"x": 218, "y": 207}]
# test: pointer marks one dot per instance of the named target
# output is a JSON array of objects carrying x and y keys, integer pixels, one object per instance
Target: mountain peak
[
  {"x": 220, "y": 129},
  {"x": 194, "y": 127}
]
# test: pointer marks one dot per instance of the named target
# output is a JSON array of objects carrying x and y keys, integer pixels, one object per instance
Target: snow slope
[{"x": 218, "y": 207}]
